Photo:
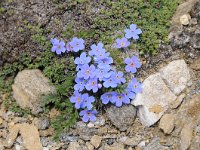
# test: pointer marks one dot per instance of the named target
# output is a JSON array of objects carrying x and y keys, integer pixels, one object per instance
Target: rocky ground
[{"x": 164, "y": 116}]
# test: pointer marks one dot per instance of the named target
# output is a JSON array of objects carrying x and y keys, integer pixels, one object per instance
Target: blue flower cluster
[
  {"x": 96, "y": 73},
  {"x": 60, "y": 47}
]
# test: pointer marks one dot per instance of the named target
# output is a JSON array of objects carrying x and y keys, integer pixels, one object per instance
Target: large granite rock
[
  {"x": 29, "y": 87},
  {"x": 154, "y": 100},
  {"x": 176, "y": 75},
  {"x": 161, "y": 90}
]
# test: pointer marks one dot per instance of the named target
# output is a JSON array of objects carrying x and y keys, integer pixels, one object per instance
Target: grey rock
[
  {"x": 68, "y": 138},
  {"x": 181, "y": 40},
  {"x": 44, "y": 141},
  {"x": 100, "y": 121},
  {"x": 87, "y": 133},
  {"x": 28, "y": 89},
  {"x": 42, "y": 123},
  {"x": 122, "y": 117},
  {"x": 110, "y": 141},
  {"x": 154, "y": 145},
  {"x": 197, "y": 32},
  {"x": 193, "y": 21},
  {"x": 176, "y": 75},
  {"x": 196, "y": 42},
  {"x": 154, "y": 100}
]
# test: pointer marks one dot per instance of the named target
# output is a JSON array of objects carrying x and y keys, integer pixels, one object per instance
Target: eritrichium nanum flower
[
  {"x": 133, "y": 32},
  {"x": 135, "y": 86},
  {"x": 77, "y": 99},
  {"x": 132, "y": 64},
  {"x": 122, "y": 43},
  {"x": 77, "y": 44},
  {"x": 88, "y": 115},
  {"x": 58, "y": 46},
  {"x": 87, "y": 101},
  {"x": 97, "y": 76},
  {"x": 92, "y": 84},
  {"x": 82, "y": 60},
  {"x": 96, "y": 48},
  {"x": 87, "y": 72},
  {"x": 80, "y": 84},
  {"x": 107, "y": 97},
  {"x": 120, "y": 99}
]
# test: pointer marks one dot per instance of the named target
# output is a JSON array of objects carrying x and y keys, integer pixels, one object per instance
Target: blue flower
[
  {"x": 120, "y": 99},
  {"x": 101, "y": 55},
  {"x": 96, "y": 49},
  {"x": 77, "y": 44},
  {"x": 122, "y": 43},
  {"x": 105, "y": 63},
  {"x": 77, "y": 99},
  {"x": 133, "y": 32},
  {"x": 129, "y": 93},
  {"x": 131, "y": 64},
  {"x": 135, "y": 86},
  {"x": 82, "y": 60},
  {"x": 111, "y": 81},
  {"x": 87, "y": 72},
  {"x": 103, "y": 73},
  {"x": 108, "y": 97},
  {"x": 54, "y": 41},
  {"x": 87, "y": 101},
  {"x": 58, "y": 46},
  {"x": 92, "y": 84},
  {"x": 119, "y": 77},
  {"x": 88, "y": 115},
  {"x": 80, "y": 84}
]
